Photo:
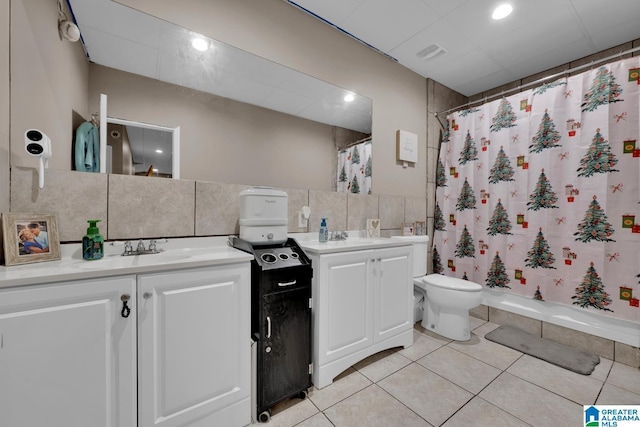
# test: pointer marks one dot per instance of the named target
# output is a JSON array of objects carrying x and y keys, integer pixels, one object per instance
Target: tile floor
[{"x": 438, "y": 382}]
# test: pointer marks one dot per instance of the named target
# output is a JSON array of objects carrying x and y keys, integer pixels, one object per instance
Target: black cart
[{"x": 280, "y": 322}]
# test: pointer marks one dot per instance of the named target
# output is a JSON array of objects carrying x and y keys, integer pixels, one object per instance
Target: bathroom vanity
[
  {"x": 129, "y": 341},
  {"x": 362, "y": 293}
]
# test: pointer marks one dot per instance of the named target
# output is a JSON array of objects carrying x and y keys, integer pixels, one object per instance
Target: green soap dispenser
[{"x": 93, "y": 242}]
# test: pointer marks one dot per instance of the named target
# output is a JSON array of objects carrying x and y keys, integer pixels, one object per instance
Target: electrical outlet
[{"x": 302, "y": 221}]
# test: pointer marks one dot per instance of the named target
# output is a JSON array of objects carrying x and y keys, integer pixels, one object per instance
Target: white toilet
[{"x": 441, "y": 302}]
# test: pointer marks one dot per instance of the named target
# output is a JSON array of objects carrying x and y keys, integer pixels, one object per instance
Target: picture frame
[
  {"x": 29, "y": 237},
  {"x": 373, "y": 228},
  {"x": 420, "y": 228},
  {"x": 408, "y": 229}
]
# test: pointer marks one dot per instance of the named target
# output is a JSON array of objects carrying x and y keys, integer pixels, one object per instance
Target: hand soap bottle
[
  {"x": 323, "y": 234},
  {"x": 93, "y": 242}
]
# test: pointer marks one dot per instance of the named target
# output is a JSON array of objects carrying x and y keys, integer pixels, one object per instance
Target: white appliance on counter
[{"x": 263, "y": 216}]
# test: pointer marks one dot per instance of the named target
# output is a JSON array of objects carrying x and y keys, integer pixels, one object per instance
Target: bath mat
[{"x": 547, "y": 350}]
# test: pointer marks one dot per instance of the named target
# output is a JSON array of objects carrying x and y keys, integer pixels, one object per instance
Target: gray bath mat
[{"x": 549, "y": 351}]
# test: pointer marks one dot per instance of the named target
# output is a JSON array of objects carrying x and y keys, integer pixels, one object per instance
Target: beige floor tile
[
  {"x": 526, "y": 401},
  {"x": 318, "y": 420},
  {"x": 346, "y": 384},
  {"x": 489, "y": 352},
  {"x": 438, "y": 338},
  {"x": 474, "y": 322},
  {"x": 290, "y": 412},
  {"x": 381, "y": 365},
  {"x": 429, "y": 395},
  {"x": 601, "y": 372},
  {"x": 480, "y": 413},
  {"x": 625, "y": 377},
  {"x": 465, "y": 371},
  {"x": 484, "y": 329},
  {"x": 422, "y": 345},
  {"x": 582, "y": 389},
  {"x": 372, "y": 407},
  {"x": 612, "y": 395}
]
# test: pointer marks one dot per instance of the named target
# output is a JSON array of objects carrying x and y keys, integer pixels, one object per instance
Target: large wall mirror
[{"x": 144, "y": 45}]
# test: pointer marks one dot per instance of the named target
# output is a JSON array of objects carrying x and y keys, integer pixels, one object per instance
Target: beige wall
[
  {"x": 49, "y": 82},
  {"x": 4, "y": 107},
  {"x": 279, "y": 32}
]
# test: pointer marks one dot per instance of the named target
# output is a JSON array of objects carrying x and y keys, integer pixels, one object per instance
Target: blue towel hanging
[{"x": 87, "y": 151}]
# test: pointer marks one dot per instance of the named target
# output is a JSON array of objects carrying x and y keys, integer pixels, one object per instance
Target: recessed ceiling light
[
  {"x": 200, "y": 44},
  {"x": 502, "y": 11},
  {"x": 159, "y": 151},
  {"x": 349, "y": 98}
]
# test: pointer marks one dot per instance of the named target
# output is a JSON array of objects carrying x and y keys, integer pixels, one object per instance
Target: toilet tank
[
  {"x": 263, "y": 215},
  {"x": 420, "y": 246}
]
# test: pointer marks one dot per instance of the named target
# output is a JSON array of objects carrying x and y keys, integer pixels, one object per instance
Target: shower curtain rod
[
  {"x": 570, "y": 70},
  {"x": 351, "y": 144}
]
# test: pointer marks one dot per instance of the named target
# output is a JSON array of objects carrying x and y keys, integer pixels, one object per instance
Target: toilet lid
[{"x": 452, "y": 283}]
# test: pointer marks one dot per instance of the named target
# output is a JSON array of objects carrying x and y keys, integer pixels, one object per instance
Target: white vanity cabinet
[
  {"x": 67, "y": 356},
  {"x": 194, "y": 347},
  {"x": 362, "y": 304}
]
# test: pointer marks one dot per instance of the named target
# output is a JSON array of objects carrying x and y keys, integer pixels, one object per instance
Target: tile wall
[{"x": 134, "y": 207}]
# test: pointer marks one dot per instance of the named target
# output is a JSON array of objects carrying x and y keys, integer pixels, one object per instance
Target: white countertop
[
  {"x": 313, "y": 246},
  {"x": 176, "y": 253}
]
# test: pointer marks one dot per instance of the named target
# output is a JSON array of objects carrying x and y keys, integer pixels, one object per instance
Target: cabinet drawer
[{"x": 284, "y": 280}]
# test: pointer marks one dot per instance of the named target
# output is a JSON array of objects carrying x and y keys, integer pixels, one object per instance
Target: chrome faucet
[
  {"x": 339, "y": 235},
  {"x": 140, "y": 249}
]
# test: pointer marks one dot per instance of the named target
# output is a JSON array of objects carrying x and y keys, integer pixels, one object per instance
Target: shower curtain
[
  {"x": 354, "y": 169},
  {"x": 538, "y": 193}
]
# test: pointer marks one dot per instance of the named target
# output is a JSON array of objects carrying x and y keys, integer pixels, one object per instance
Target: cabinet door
[
  {"x": 394, "y": 292},
  {"x": 345, "y": 305},
  {"x": 285, "y": 347},
  {"x": 194, "y": 347},
  {"x": 67, "y": 356}
]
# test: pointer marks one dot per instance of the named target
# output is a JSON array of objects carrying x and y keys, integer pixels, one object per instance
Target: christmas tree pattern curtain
[
  {"x": 538, "y": 193},
  {"x": 354, "y": 169}
]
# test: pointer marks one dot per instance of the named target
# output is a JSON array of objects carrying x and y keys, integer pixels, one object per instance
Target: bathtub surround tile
[
  {"x": 360, "y": 207},
  {"x": 344, "y": 385},
  {"x": 480, "y": 312},
  {"x": 462, "y": 370},
  {"x": 479, "y": 412},
  {"x": 217, "y": 208},
  {"x": 382, "y": 364},
  {"x": 415, "y": 209},
  {"x": 627, "y": 354},
  {"x": 529, "y": 402},
  {"x": 579, "y": 340},
  {"x": 372, "y": 407},
  {"x": 582, "y": 389},
  {"x": 391, "y": 209},
  {"x": 296, "y": 199},
  {"x": 330, "y": 205},
  {"x": 145, "y": 207},
  {"x": 427, "y": 394},
  {"x": 524, "y": 323},
  {"x": 74, "y": 197},
  {"x": 613, "y": 395},
  {"x": 431, "y": 197}
]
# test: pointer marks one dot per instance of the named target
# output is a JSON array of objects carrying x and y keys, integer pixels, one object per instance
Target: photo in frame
[
  {"x": 408, "y": 229},
  {"x": 420, "y": 228},
  {"x": 29, "y": 238}
]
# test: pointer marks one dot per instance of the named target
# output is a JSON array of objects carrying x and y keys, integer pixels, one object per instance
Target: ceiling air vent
[{"x": 431, "y": 51}]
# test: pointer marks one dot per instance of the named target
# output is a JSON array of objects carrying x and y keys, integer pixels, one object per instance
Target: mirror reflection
[{"x": 160, "y": 50}]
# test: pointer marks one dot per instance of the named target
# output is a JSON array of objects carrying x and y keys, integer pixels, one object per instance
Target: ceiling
[{"x": 481, "y": 53}]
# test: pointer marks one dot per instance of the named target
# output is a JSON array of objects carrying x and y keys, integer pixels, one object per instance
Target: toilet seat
[{"x": 445, "y": 282}]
